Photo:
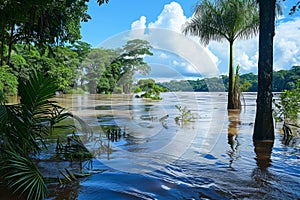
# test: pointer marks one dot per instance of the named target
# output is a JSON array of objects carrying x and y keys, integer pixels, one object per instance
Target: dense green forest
[
  {"x": 77, "y": 66},
  {"x": 80, "y": 68},
  {"x": 282, "y": 80}
]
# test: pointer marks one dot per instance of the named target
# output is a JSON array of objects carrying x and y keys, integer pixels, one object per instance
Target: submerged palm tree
[
  {"x": 229, "y": 20},
  {"x": 23, "y": 128}
]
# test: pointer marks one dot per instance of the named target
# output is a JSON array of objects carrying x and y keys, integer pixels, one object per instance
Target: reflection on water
[
  {"x": 212, "y": 158},
  {"x": 263, "y": 151},
  {"x": 261, "y": 175},
  {"x": 233, "y": 127}
]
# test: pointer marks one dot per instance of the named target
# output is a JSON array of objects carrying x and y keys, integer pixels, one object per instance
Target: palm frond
[
  {"x": 36, "y": 92},
  {"x": 224, "y": 19},
  {"x": 22, "y": 176},
  {"x": 23, "y": 128},
  {"x": 3, "y": 117}
]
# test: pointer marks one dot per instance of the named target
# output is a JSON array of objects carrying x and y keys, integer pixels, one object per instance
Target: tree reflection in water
[
  {"x": 263, "y": 151},
  {"x": 233, "y": 127}
]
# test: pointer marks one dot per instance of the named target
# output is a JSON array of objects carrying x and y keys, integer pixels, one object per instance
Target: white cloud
[
  {"x": 139, "y": 27},
  {"x": 181, "y": 64},
  {"x": 287, "y": 44},
  {"x": 165, "y": 34},
  {"x": 163, "y": 56},
  {"x": 139, "y": 24},
  {"x": 172, "y": 18}
]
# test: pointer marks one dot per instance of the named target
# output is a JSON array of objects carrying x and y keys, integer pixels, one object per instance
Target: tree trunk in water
[
  {"x": 236, "y": 89},
  {"x": 233, "y": 101},
  {"x": 264, "y": 125}
]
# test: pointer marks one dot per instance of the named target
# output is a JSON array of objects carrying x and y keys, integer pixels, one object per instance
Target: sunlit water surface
[{"x": 153, "y": 158}]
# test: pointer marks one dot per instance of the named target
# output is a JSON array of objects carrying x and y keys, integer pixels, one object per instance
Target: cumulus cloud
[
  {"x": 286, "y": 48},
  {"x": 204, "y": 60},
  {"x": 287, "y": 44},
  {"x": 172, "y": 18},
  {"x": 165, "y": 34},
  {"x": 139, "y": 24}
]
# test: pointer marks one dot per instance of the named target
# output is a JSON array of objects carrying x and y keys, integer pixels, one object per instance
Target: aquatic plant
[
  {"x": 115, "y": 133},
  {"x": 152, "y": 90},
  {"x": 185, "y": 115},
  {"x": 23, "y": 128},
  {"x": 73, "y": 149},
  {"x": 286, "y": 110}
]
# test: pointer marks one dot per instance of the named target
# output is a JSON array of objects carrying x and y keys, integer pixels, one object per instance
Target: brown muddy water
[{"x": 212, "y": 157}]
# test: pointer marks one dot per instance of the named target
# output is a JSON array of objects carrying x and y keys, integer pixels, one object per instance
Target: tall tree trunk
[
  {"x": 264, "y": 126},
  {"x": 10, "y": 44},
  {"x": 2, "y": 52},
  {"x": 232, "y": 103},
  {"x": 236, "y": 90}
]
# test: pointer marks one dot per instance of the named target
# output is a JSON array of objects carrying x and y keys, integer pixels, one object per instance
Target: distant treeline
[{"x": 282, "y": 80}]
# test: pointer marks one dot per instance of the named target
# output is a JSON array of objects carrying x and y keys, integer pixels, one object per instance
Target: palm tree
[
  {"x": 229, "y": 20},
  {"x": 23, "y": 128}
]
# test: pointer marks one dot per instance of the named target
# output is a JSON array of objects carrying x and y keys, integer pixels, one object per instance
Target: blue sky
[{"x": 121, "y": 19}]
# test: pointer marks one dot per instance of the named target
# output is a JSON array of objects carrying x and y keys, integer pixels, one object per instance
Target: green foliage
[
  {"x": 97, "y": 66},
  {"x": 19, "y": 64},
  {"x": 146, "y": 84},
  {"x": 64, "y": 68},
  {"x": 151, "y": 89},
  {"x": 81, "y": 48},
  {"x": 108, "y": 69},
  {"x": 287, "y": 107},
  {"x": 225, "y": 20},
  {"x": 245, "y": 86},
  {"x": 42, "y": 22},
  {"x": 23, "y": 128},
  {"x": 73, "y": 149},
  {"x": 75, "y": 91},
  {"x": 136, "y": 89},
  {"x": 282, "y": 80},
  {"x": 22, "y": 176},
  {"x": 118, "y": 90},
  {"x": 25, "y": 124},
  {"x": 61, "y": 63},
  {"x": 185, "y": 114},
  {"x": 131, "y": 60},
  {"x": 8, "y": 82}
]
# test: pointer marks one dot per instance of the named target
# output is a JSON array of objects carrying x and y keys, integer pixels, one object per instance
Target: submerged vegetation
[
  {"x": 72, "y": 149},
  {"x": 150, "y": 88},
  {"x": 286, "y": 110},
  {"x": 185, "y": 115},
  {"x": 24, "y": 128}
]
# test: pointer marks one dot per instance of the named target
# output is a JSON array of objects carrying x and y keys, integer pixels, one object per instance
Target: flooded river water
[{"x": 153, "y": 156}]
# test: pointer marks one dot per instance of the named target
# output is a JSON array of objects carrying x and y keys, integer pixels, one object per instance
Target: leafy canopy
[{"x": 224, "y": 19}]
